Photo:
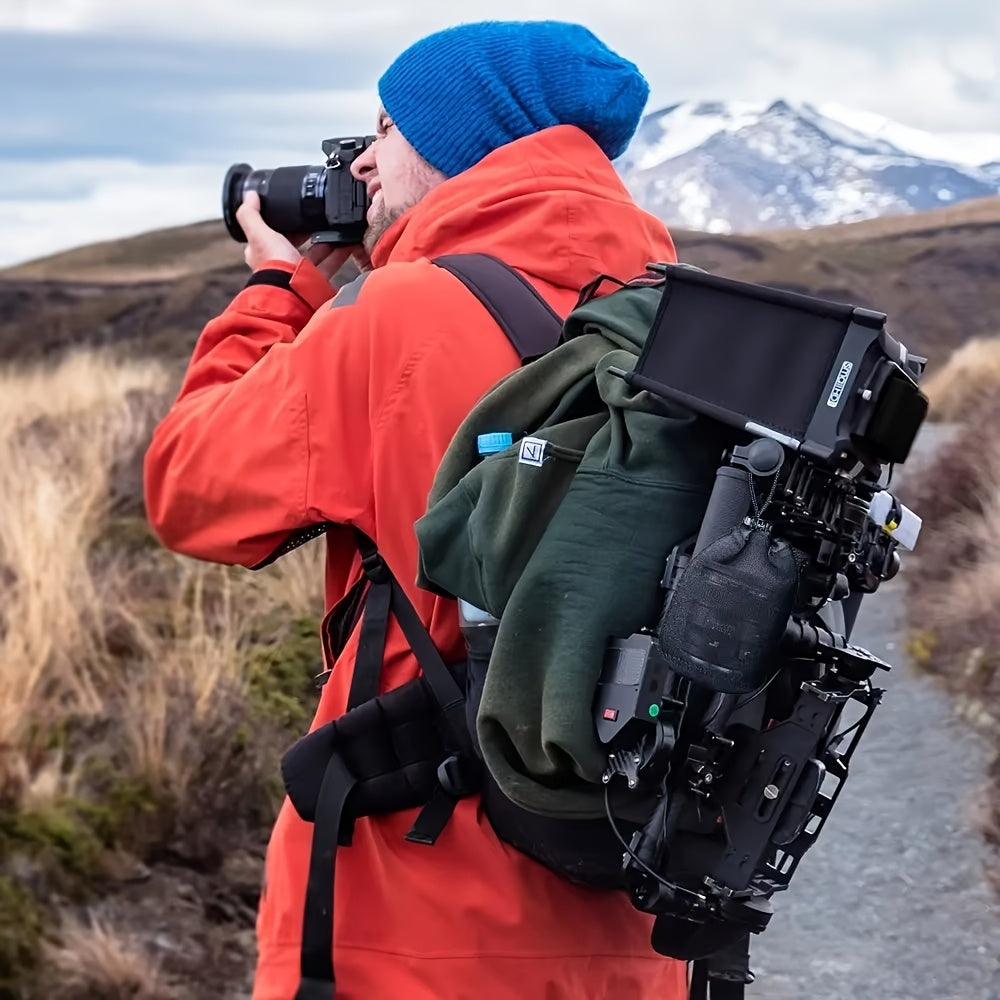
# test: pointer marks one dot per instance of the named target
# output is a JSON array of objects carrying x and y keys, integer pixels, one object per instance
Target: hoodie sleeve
[{"x": 227, "y": 474}]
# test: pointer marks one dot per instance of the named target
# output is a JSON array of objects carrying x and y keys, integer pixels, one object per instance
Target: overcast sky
[{"x": 119, "y": 116}]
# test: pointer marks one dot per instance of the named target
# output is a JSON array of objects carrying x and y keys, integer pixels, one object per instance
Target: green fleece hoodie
[{"x": 564, "y": 538}]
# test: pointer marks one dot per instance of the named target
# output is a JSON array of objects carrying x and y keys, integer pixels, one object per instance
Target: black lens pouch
[{"x": 728, "y": 612}]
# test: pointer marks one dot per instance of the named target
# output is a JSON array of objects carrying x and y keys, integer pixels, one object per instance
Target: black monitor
[{"x": 821, "y": 377}]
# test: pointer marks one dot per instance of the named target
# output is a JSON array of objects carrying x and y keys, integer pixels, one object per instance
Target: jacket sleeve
[{"x": 226, "y": 476}]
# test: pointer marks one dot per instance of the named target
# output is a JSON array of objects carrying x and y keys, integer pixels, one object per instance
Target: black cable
[
  {"x": 628, "y": 850},
  {"x": 745, "y": 700}
]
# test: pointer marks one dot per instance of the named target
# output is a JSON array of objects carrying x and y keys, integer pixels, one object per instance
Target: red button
[{"x": 611, "y": 714}]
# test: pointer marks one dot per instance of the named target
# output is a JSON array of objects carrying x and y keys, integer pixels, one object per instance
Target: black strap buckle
[
  {"x": 374, "y": 567},
  {"x": 459, "y": 775}
]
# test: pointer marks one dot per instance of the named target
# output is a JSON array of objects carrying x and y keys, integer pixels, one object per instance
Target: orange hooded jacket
[{"x": 294, "y": 413}]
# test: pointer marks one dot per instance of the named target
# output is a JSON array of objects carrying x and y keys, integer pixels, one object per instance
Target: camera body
[{"x": 324, "y": 201}]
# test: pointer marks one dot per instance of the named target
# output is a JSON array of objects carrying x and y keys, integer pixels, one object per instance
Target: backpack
[{"x": 561, "y": 513}]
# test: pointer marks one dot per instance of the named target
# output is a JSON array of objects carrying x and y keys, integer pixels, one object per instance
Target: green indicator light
[{"x": 654, "y": 711}]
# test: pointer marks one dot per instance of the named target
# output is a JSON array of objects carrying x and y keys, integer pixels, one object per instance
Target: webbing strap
[
  {"x": 385, "y": 595},
  {"x": 530, "y": 323},
  {"x": 443, "y": 685},
  {"x": 371, "y": 645},
  {"x": 533, "y": 329},
  {"x": 433, "y": 818},
  {"x": 318, "y": 981}
]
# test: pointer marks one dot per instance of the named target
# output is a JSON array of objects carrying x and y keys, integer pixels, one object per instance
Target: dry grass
[
  {"x": 954, "y": 587},
  {"x": 94, "y": 961},
  {"x": 60, "y": 432},
  {"x": 969, "y": 376},
  {"x": 166, "y": 713},
  {"x": 144, "y": 698}
]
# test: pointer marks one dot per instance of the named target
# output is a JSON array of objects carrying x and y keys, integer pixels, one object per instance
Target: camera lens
[
  {"x": 232, "y": 198},
  {"x": 292, "y": 199}
]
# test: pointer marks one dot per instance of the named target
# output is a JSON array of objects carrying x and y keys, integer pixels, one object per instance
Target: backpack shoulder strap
[{"x": 530, "y": 323}]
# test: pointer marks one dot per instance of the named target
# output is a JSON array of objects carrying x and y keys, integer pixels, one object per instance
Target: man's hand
[
  {"x": 329, "y": 259},
  {"x": 264, "y": 244}
]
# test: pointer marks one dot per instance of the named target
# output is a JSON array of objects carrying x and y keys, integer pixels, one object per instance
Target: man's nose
[{"x": 363, "y": 165}]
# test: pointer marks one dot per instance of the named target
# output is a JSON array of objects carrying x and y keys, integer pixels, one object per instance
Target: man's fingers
[
  {"x": 263, "y": 242},
  {"x": 332, "y": 261},
  {"x": 248, "y": 214},
  {"x": 361, "y": 258}
]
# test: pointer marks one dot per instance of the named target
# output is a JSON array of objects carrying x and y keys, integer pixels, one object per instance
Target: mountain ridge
[{"x": 725, "y": 167}]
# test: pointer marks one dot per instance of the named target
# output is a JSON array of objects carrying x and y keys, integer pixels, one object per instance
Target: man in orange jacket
[{"x": 297, "y": 410}]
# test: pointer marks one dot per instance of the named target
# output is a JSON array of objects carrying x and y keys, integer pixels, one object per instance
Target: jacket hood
[{"x": 550, "y": 204}]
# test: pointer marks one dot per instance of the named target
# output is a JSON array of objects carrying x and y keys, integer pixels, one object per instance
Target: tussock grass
[
  {"x": 95, "y": 961},
  {"x": 953, "y": 583},
  {"x": 60, "y": 432},
  {"x": 970, "y": 376},
  {"x": 144, "y": 698}
]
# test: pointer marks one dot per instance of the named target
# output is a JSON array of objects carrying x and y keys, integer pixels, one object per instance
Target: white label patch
[
  {"x": 838, "y": 387},
  {"x": 532, "y": 451}
]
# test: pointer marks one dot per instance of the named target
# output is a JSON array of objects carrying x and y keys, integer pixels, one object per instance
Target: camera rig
[{"x": 736, "y": 715}]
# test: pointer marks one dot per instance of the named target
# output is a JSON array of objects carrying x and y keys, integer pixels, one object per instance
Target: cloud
[
  {"x": 726, "y": 49},
  {"x": 47, "y": 207},
  {"x": 921, "y": 91},
  {"x": 168, "y": 101}
]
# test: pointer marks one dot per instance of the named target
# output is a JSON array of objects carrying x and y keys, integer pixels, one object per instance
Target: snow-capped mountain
[{"x": 739, "y": 167}]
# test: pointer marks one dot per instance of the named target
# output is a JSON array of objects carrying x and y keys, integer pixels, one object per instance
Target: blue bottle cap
[{"x": 497, "y": 441}]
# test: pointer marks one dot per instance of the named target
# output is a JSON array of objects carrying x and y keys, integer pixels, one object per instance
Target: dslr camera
[{"x": 325, "y": 201}]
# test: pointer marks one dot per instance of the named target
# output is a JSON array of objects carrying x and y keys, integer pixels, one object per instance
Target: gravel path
[{"x": 891, "y": 902}]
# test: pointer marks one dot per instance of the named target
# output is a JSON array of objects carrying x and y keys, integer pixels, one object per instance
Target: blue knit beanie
[{"x": 460, "y": 93}]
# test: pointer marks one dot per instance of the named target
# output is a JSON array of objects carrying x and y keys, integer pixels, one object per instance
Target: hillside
[{"x": 936, "y": 274}]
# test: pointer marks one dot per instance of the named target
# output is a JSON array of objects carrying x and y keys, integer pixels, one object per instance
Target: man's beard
[{"x": 378, "y": 226}]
